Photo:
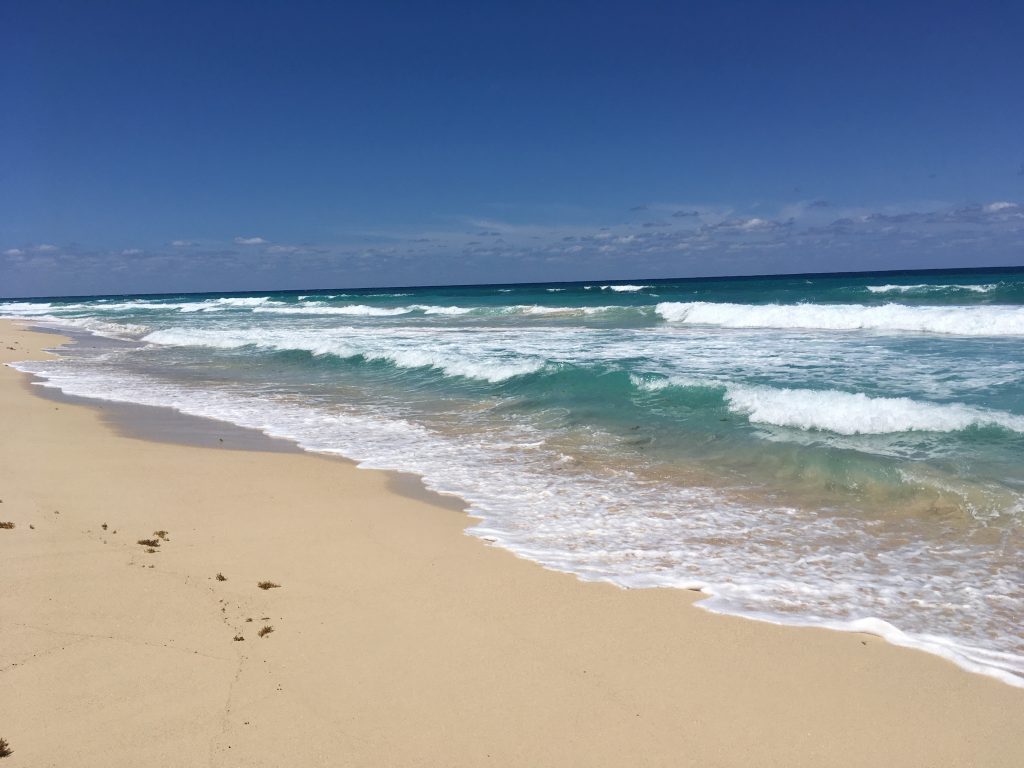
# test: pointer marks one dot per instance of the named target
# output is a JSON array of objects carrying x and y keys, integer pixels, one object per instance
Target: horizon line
[{"x": 777, "y": 275}]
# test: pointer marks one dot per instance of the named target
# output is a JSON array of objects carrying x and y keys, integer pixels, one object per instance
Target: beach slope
[{"x": 396, "y": 639}]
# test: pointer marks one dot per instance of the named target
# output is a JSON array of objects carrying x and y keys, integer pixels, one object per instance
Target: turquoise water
[{"x": 843, "y": 450}]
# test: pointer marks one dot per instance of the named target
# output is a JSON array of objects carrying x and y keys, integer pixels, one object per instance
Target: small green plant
[
  {"x": 7, "y": 525},
  {"x": 238, "y": 638},
  {"x": 221, "y": 577},
  {"x": 267, "y": 585},
  {"x": 149, "y": 542},
  {"x": 265, "y": 631},
  {"x": 5, "y": 749},
  {"x": 161, "y": 535},
  {"x": 150, "y": 550},
  {"x": 104, "y": 526}
]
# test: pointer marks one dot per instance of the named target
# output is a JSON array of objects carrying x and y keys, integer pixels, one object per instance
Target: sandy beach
[{"x": 396, "y": 639}]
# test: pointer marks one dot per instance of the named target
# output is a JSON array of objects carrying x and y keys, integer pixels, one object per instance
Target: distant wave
[
  {"x": 541, "y": 309},
  {"x": 429, "y": 309},
  {"x": 624, "y": 288},
  {"x": 217, "y": 305},
  {"x": 365, "y": 310},
  {"x": 34, "y": 309},
  {"x": 326, "y": 296},
  {"x": 933, "y": 288},
  {"x": 265, "y": 305},
  {"x": 959, "y": 320},
  {"x": 405, "y": 352},
  {"x": 135, "y": 305},
  {"x": 94, "y": 326},
  {"x": 320, "y": 308}
]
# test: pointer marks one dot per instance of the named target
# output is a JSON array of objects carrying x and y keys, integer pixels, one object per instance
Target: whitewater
[{"x": 839, "y": 451}]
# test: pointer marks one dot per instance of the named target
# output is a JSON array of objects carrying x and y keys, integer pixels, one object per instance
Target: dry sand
[{"x": 397, "y": 639}]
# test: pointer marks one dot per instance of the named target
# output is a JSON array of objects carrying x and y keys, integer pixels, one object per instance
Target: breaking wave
[
  {"x": 848, "y": 413},
  {"x": 955, "y": 320},
  {"x": 844, "y": 413},
  {"x": 933, "y": 288},
  {"x": 411, "y": 350},
  {"x": 624, "y": 288}
]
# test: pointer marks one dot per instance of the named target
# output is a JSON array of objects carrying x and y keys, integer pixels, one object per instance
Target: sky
[{"x": 214, "y": 146}]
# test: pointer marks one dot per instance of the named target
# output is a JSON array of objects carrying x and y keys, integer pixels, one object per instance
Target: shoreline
[
  {"x": 178, "y": 424},
  {"x": 398, "y": 639},
  {"x": 173, "y": 427}
]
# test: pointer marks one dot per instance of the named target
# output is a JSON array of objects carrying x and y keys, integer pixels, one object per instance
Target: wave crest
[
  {"x": 410, "y": 351},
  {"x": 954, "y": 320},
  {"x": 933, "y": 288},
  {"x": 848, "y": 413}
]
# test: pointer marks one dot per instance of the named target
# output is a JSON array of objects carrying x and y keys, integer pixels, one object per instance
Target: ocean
[{"x": 843, "y": 451}]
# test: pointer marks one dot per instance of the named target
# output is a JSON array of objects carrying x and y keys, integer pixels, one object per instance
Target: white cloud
[
  {"x": 14, "y": 252},
  {"x": 182, "y": 243},
  {"x": 45, "y": 248},
  {"x": 755, "y": 223},
  {"x": 1002, "y": 205},
  {"x": 250, "y": 241},
  {"x": 131, "y": 251}
]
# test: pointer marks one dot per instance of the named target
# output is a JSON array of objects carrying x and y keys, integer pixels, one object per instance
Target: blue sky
[{"x": 169, "y": 146}]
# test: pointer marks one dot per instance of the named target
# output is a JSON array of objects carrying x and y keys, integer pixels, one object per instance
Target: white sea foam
[
  {"x": 137, "y": 305},
  {"x": 843, "y": 413},
  {"x": 429, "y": 309},
  {"x": 240, "y": 301},
  {"x": 857, "y": 414},
  {"x": 320, "y": 308},
  {"x": 365, "y": 310},
  {"x": 541, "y": 309},
  {"x": 327, "y": 297},
  {"x": 93, "y": 325},
  {"x": 455, "y": 354},
  {"x": 224, "y": 303},
  {"x": 761, "y": 562},
  {"x": 624, "y": 288},
  {"x": 932, "y": 288},
  {"x": 33, "y": 309},
  {"x": 26, "y": 308},
  {"x": 799, "y": 359},
  {"x": 959, "y": 320}
]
